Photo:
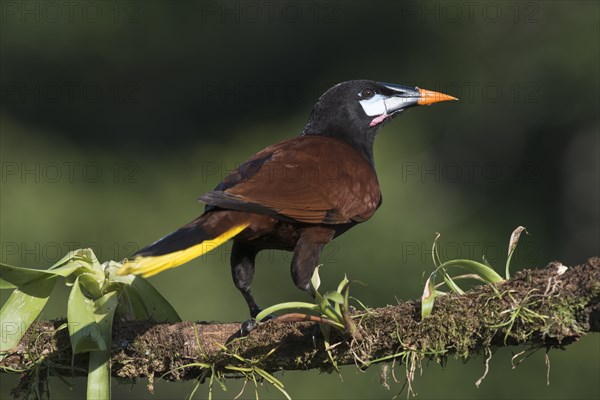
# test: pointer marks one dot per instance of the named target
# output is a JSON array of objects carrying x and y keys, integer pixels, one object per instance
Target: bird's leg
[
  {"x": 242, "y": 270},
  {"x": 306, "y": 257},
  {"x": 304, "y": 263}
]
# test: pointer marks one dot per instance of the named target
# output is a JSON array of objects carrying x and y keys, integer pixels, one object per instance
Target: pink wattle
[{"x": 378, "y": 120}]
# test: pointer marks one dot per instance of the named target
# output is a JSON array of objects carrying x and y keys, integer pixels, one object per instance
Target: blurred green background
[{"x": 116, "y": 116}]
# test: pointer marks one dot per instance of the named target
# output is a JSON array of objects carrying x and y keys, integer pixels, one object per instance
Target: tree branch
[{"x": 546, "y": 308}]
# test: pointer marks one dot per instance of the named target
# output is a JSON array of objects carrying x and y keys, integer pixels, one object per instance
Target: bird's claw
[
  {"x": 248, "y": 326},
  {"x": 251, "y": 324},
  {"x": 315, "y": 331}
]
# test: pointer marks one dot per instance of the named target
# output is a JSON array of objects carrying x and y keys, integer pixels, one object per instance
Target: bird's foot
[
  {"x": 251, "y": 324},
  {"x": 248, "y": 326},
  {"x": 315, "y": 331}
]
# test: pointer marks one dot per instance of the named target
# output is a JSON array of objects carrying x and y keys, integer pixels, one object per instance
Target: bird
[{"x": 296, "y": 195}]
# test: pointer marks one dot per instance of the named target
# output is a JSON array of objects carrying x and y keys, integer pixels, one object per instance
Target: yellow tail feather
[{"x": 152, "y": 265}]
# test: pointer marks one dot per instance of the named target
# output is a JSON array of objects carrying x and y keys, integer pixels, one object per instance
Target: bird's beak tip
[{"x": 429, "y": 97}]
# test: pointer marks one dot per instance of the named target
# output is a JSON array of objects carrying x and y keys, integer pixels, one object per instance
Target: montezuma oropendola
[{"x": 295, "y": 195}]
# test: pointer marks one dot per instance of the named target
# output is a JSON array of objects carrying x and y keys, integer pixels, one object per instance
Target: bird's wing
[{"x": 310, "y": 179}]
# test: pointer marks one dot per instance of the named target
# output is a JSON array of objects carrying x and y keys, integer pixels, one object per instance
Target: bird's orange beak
[{"x": 429, "y": 97}]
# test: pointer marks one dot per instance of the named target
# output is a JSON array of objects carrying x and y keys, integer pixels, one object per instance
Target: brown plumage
[{"x": 312, "y": 179}]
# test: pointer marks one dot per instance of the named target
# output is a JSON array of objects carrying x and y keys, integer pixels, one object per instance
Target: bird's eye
[{"x": 367, "y": 93}]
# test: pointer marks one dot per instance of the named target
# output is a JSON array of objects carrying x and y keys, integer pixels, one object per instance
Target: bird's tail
[{"x": 200, "y": 236}]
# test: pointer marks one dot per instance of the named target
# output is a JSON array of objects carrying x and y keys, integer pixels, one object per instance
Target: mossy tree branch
[{"x": 546, "y": 307}]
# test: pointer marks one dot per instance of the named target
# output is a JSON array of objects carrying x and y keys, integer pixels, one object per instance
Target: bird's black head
[{"x": 355, "y": 110}]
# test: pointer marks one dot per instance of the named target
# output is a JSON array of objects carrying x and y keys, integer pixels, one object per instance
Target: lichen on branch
[{"x": 548, "y": 307}]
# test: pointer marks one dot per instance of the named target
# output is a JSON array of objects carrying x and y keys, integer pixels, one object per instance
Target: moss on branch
[{"x": 549, "y": 307}]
